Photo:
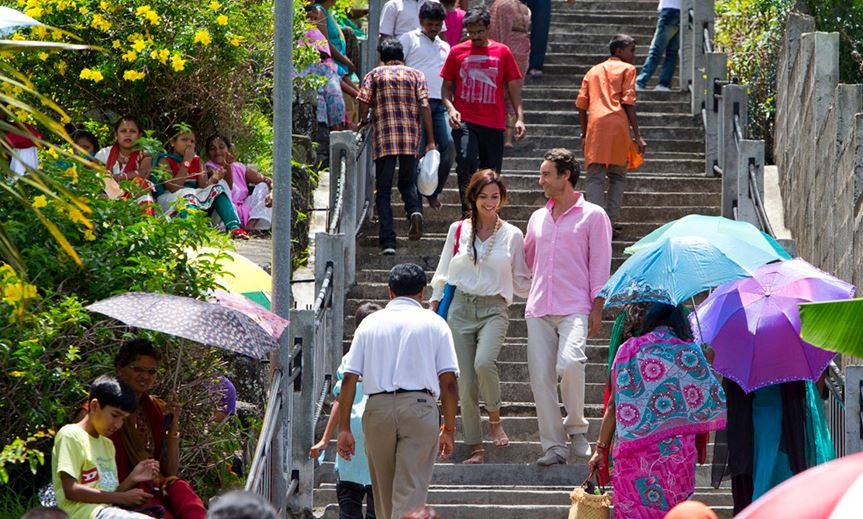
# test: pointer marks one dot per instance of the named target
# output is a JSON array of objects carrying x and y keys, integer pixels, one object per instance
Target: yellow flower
[
  {"x": 144, "y": 9},
  {"x": 83, "y": 10},
  {"x": 178, "y": 63},
  {"x": 77, "y": 216},
  {"x": 130, "y": 55},
  {"x": 133, "y": 75},
  {"x": 6, "y": 271},
  {"x": 53, "y": 153},
  {"x": 72, "y": 172},
  {"x": 214, "y": 5},
  {"x": 16, "y": 293},
  {"x": 236, "y": 40},
  {"x": 100, "y": 23},
  {"x": 93, "y": 75},
  {"x": 139, "y": 45},
  {"x": 61, "y": 67},
  {"x": 153, "y": 18},
  {"x": 88, "y": 235},
  {"x": 43, "y": 56},
  {"x": 40, "y": 31},
  {"x": 202, "y": 37},
  {"x": 34, "y": 12},
  {"x": 104, "y": 5},
  {"x": 222, "y": 20},
  {"x": 164, "y": 54},
  {"x": 97, "y": 76},
  {"x": 135, "y": 36},
  {"x": 39, "y": 201},
  {"x": 56, "y": 35}
]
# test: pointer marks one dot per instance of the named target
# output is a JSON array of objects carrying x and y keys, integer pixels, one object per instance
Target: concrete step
[
  {"x": 601, "y": 7},
  {"x": 691, "y": 133},
  {"x": 533, "y": 103},
  {"x": 459, "y": 511},
  {"x": 553, "y": 90},
  {"x": 645, "y": 119},
  {"x": 535, "y": 197}
]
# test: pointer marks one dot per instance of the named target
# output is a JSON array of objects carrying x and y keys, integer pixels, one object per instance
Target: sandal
[
  {"x": 498, "y": 440},
  {"x": 477, "y": 457}
]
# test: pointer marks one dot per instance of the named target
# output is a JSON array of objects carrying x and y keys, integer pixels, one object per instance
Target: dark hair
[
  {"x": 432, "y": 11},
  {"x": 391, "y": 50},
  {"x": 476, "y": 15},
  {"x": 239, "y": 504},
  {"x": 564, "y": 160},
  {"x": 84, "y": 134},
  {"x": 475, "y": 185},
  {"x": 45, "y": 512},
  {"x": 215, "y": 136},
  {"x": 134, "y": 348},
  {"x": 448, "y": 3},
  {"x": 363, "y": 311},
  {"x": 111, "y": 391},
  {"x": 407, "y": 279},
  {"x": 620, "y": 42},
  {"x": 661, "y": 314},
  {"x": 127, "y": 118}
]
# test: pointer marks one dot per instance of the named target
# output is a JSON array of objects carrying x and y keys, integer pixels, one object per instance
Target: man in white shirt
[
  {"x": 426, "y": 51},
  {"x": 666, "y": 40},
  {"x": 406, "y": 357},
  {"x": 401, "y": 16}
]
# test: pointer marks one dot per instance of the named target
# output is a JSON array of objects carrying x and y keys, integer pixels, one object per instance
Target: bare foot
[
  {"x": 498, "y": 435},
  {"x": 476, "y": 457},
  {"x": 434, "y": 203}
]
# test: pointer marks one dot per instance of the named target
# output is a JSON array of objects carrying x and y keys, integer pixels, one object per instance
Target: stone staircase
[{"x": 668, "y": 186}]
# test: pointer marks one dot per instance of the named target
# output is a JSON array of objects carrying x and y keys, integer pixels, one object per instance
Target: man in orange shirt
[{"x": 606, "y": 112}]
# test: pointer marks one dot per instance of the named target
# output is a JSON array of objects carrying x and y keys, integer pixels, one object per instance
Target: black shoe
[{"x": 416, "y": 229}]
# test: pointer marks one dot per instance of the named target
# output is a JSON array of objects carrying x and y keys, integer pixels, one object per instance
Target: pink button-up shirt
[{"x": 570, "y": 258}]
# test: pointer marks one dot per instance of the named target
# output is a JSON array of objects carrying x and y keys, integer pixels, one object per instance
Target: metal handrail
[
  {"x": 323, "y": 293},
  {"x": 708, "y": 45},
  {"x": 760, "y": 210},
  {"x": 265, "y": 438}
]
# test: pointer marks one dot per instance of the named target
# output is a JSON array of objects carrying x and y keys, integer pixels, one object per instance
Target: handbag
[
  {"x": 587, "y": 503},
  {"x": 633, "y": 159},
  {"x": 427, "y": 179},
  {"x": 449, "y": 290}
]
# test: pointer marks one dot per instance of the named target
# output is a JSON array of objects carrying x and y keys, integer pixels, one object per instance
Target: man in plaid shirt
[{"x": 396, "y": 95}]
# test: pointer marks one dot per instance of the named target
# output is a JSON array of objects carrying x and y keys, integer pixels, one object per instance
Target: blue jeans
[
  {"x": 540, "y": 21},
  {"x": 443, "y": 139},
  {"x": 666, "y": 41}
]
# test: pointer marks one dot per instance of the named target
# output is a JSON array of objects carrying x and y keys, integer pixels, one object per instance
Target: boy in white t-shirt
[{"x": 83, "y": 466}]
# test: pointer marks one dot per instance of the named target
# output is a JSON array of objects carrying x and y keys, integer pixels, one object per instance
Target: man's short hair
[
  {"x": 619, "y": 42},
  {"x": 111, "y": 391},
  {"x": 407, "y": 279},
  {"x": 391, "y": 49},
  {"x": 46, "y": 512},
  {"x": 477, "y": 15},
  {"x": 564, "y": 160},
  {"x": 432, "y": 11},
  {"x": 134, "y": 348},
  {"x": 239, "y": 504}
]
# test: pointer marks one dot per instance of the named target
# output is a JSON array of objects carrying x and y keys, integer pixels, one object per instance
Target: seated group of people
[
  {"x": 238, "y": 195},
  {"x": 121, "y": 459}
]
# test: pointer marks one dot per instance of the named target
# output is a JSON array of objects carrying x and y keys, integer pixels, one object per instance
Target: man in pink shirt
[{"x": 568, "y": 250}]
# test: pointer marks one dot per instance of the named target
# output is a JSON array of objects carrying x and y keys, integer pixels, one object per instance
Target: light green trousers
[{"x": 478, "y": 325}]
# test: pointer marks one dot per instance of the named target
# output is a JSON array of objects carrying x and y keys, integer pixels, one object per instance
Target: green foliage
[
  {"x": 846, "y": 18},
  {"x": 751, "y": 33}
]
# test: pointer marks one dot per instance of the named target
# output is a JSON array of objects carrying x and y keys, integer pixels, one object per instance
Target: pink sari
[{"x": 248, "y": 204}]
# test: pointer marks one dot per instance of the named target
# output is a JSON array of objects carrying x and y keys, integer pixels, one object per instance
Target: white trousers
[{"x": 556, "y": 350}]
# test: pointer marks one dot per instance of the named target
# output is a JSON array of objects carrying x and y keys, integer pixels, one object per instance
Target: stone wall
[{"x": 819, "y": 151}]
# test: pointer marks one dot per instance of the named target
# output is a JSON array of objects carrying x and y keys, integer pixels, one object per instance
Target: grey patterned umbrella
[{"x": 198, "y": 321}]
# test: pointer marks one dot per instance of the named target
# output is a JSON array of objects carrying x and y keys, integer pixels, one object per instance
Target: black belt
[{"x": 399, "y": 391}]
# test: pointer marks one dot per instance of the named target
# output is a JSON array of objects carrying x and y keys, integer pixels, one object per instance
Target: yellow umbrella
[{"x": 239, "y": 275}]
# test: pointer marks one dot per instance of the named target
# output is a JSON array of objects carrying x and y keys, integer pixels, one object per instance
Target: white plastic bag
[{"x": 427, "y": 178}]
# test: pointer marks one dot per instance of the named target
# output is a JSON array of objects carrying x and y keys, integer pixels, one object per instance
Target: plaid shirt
[{"x": 394, "y": 93}]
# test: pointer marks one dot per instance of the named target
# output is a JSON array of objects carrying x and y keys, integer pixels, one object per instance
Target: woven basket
[{"x": 588, "y": 506}]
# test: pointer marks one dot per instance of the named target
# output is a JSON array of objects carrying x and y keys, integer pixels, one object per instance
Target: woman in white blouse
[{"x": 487, "y": 269}]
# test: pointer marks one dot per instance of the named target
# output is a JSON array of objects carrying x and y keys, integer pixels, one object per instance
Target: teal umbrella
[
  {"x": 677, "y": 268},
  {"x": 710, "y": 227}
]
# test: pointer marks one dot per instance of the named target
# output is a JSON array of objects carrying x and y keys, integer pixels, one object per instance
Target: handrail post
[
  {"x": 687, "y": 50},
  {"x": 751, "y": 152},
  {"x": 853, "y": 427},
  {"x": 332, "y": 247},
  {"x": 716, "y": 72},
  {"x": 734, "y": 103},
  {"x": 349, "y": 192},
  {"x": 301, "y": 430},
  {"x": 702, "y": 17}
]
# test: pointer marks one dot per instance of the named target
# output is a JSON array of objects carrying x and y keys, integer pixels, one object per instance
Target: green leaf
[{"x": 834, "y": 325}]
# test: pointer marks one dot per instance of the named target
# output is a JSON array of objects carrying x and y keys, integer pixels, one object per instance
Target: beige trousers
[
  {"x": 556, "y": 350},
  {"x": 401, "y": 432},
  {"x": 478, "y": 327}
]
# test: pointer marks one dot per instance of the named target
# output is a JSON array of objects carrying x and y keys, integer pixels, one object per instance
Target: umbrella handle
[{"x": 705, "y": 347}]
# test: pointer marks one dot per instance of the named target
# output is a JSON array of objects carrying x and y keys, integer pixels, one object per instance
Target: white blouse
[{"x": 502, "y": 272}]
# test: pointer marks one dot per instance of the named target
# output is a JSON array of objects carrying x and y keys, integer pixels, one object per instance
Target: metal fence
[
  {"x": 316, "y": 338},
  {"x": 723, "y": 106}
]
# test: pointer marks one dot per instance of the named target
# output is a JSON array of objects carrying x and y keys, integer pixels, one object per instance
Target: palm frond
[{"x": 834, "y": 325}]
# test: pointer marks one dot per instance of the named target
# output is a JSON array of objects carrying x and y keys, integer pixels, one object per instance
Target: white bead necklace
[{"x": 488, "y": 244}]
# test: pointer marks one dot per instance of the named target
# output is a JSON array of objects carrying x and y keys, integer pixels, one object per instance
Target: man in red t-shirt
[{"x": 474, "y": 77}]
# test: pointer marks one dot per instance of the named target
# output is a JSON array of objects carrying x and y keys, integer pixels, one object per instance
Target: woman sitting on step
[
  {"x": 663, "y": 394},
  {"x": 483, "y": 258}
]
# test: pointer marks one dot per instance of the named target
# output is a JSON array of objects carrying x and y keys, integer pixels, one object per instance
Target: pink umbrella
[
  {"x": 830, "y": 491},
  {"x": 270, "y": 322},
  {"x": 754, "y": 324}
]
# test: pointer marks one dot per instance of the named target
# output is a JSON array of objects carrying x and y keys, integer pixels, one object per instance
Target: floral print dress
[{"x": 665, "y": 394}]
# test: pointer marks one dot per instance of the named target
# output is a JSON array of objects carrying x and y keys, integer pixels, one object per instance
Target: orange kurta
[{"x": 604, "y": 90}]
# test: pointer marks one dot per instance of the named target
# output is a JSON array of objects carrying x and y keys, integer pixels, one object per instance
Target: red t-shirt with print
[{"x": 480, "y": 75}]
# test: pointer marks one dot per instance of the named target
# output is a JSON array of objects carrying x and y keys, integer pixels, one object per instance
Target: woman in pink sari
[
  {"x": 664, "y": 393},
  {"x": 510, "y": 25},
  {"x": 250, "y": 202}
]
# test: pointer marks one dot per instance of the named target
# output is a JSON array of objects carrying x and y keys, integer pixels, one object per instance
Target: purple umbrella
[{"x": 754, "y": 324}]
